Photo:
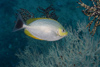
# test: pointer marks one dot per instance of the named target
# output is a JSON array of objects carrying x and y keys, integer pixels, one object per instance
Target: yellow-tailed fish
[{"x": 41, "y": 28}]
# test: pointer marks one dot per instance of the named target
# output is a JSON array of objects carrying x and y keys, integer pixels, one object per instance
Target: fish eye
[{"x": 63, "y": 30}]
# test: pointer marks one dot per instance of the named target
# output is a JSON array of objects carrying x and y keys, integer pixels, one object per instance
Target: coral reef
[
  {"x": 11, "y": 42},
  {"x": 78, "y": 49},
  {"x": 92, "y": 11},
  {"x": 49, "y": 12},
  {"x": 25, "y": 14}
]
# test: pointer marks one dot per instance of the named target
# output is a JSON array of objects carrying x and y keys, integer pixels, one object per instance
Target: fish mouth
[{"x": 58, "y": 34}]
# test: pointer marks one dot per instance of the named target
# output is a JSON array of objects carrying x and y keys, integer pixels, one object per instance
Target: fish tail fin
[{"x": 19, "y": 23}]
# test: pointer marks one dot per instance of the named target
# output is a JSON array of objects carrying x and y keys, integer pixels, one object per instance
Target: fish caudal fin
[{"x": 19, "y": 23}]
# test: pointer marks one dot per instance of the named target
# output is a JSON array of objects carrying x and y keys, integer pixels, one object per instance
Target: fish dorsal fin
[
  {"x": 29, "y": 34},
  {"x": 33, "y": 19}
]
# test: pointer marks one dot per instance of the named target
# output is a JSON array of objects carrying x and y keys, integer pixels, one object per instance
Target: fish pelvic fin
[{"x": 19, "y": 23}]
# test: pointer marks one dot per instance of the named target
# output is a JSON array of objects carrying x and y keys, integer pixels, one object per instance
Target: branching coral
[
  {"x": 25, "y": 14},
  {"x": 92, "y": 11},
  {"x": 76, "y": 51},
  {"x": 49, "y": 12}
]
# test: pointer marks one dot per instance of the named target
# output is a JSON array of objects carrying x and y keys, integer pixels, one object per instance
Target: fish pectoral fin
[{"x": 29, "y": 34}]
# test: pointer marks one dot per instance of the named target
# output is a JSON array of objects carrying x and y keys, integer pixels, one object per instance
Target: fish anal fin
[{"x": 29, "y": 34}]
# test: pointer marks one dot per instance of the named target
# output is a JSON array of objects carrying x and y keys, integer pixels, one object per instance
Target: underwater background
[{"x": 78, "y": 49}]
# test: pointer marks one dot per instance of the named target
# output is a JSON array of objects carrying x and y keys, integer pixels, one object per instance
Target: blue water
[{"x": 12, "y": 43}]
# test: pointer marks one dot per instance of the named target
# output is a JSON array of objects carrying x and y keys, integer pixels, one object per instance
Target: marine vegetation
[
  {"x": 92, "y": 11},
  {"x": 49, "y": 12},
  {"x": 25, "y": 14},
  {"x": 76, "y": 51}
]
